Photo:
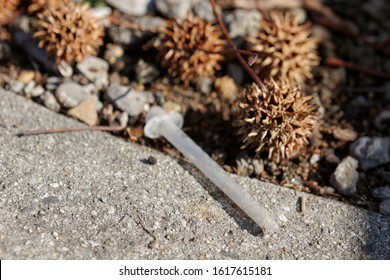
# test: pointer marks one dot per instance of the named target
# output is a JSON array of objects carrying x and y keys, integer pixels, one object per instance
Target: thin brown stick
[
  {"x": 236, "y": 52},
  {"x": 336, "y": 62},
  {"x": 132, "y": 25},
  {"x": 253, "y": 56},
  {"x": 70, "y": 129}
]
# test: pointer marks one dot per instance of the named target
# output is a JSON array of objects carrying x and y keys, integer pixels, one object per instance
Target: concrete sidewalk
[{"x": 90, "y": 195}]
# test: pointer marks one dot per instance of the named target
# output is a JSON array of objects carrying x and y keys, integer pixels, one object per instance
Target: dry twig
[
  {"x": 337, "y": 62},
  {"x": 70, "y": 129},
  {"x": 236, "y": 52}
]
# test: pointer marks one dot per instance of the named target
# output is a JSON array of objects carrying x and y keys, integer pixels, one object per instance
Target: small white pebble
[
  {"x": 54, "y": 185},
  {"x": 111, "y": 210},
  {"x": 64, "y": 249},
  {"x": 283, "y": 218},
  {"x": 315, "y": 158}
]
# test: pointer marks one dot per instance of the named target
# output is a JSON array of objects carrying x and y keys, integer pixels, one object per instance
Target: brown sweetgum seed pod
[
  {"x": 7, "y": 7},
  {"x": 279, "y": 121},
  {"x": 190, "y": 48},
  {"x": 69, "y": 32},
  {"x": 39, "y": 5},
  {"x": 285, "y": 49}
]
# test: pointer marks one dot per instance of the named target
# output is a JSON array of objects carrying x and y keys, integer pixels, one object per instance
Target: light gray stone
[
  {"x": 371, "y": 151},
  {"x": 384, "y": 207},
  {"x": 345, "y": 177},
  {"x": 146, "y": 72},
  {"x": 175, "y": 8},
  {"x": 203, "y": 9},
  {"x": 128, "y": 100},
  {"x": 100, "y": 12},
  {"x": 382, "y": 121},
  {"x": 95, "y": 69},
  {"x": 247, "y": 166},
  {"x": 69, "y": 94},
  {"x": 382, "y": 192},
  {"x": 16, "y": 86},
  {"x": 242, "y": 23},
  {"x": 132, "y": 7},
  {"x": 131, "y": 38},
  {"x": 49, "y": 101}
]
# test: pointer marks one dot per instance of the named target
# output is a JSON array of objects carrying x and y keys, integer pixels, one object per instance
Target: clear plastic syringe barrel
[{"x": 216, "y": 174}]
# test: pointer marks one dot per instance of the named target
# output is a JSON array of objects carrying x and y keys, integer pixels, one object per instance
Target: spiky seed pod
[
  {"x": 69, "y": 32},
  {"x": 7, "y": 7},
  {"x": 190, "y": 48},
  {"x": 39, "y": 5},
  {"x": 285, "y": 49},
  {"x": 278, "y": 122}
]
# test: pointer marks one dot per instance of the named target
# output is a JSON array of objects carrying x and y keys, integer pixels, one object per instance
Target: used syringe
[{"x": 159, "y": 123}]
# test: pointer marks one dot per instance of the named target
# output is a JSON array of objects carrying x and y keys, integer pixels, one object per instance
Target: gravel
[
  {"x": 90, "y": 195},
  {"x": 132, "y": 7},
  {"x": 344, "y": 179},
  {"x": 371, "y": 151},
  {"x": 69, "y": 94},
  {"x": 128, "y": 100}
]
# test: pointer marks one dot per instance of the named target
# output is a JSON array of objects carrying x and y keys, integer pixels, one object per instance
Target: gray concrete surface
[{"x": 92, "y": 196}]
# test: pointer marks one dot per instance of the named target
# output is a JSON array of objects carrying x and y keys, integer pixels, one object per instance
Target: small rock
[
  {"x": 85, "y": 111},
  {"x": 54, "y": 185},
  {"x": 283, "y": 218},
  {"x": 33, "y": 90},
  {"x": 95, "y": 69},
  {"x": 300, "y": 14},
  {"x": 69, "y": 94},
  {"x": 371, "y": 151},
  {"x": 121, "y": 35},
  {"x": 52, "y": 83},
  {"x": 247, "y": 166},
  {"x": 382, "y": 192},
  {"x": 123, "y": 118},
  {"x": 345, "y": 177},
  {"x": 16, "y": 86},
  {"x": 130, "y": 38},
  {"x": 204, "y": 84},
  {"x": 49, "y": 101},
  {"x": 29, "y": 87},
  {"x": 51, "y": 200},
  {"x": 382, "y": 121},
  {"x": 345, "y": 134},
  {"x": 314, "y": 159},
  {"x": 65, "y": 69},
  {"x": 170, "y": 106},
  {"x": 384, "y": 207},
  {"x": 113, "y": 53},
  {"x": 5, "y": 51},
  {"x": 101, "y": 12},
  {"x": 26, "y": 76},
  {"x": 242, "y": 23},
  {"x": 331, "y": 157},
  {"x": 226, "y": 87},
  {"x": 146, "y": 72},
  {"x": 174, "y": 8},
  {"x": 203, "y": 9},
  {"x": 132, "y": 7},
  {"x": 128, "y": 100}
]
